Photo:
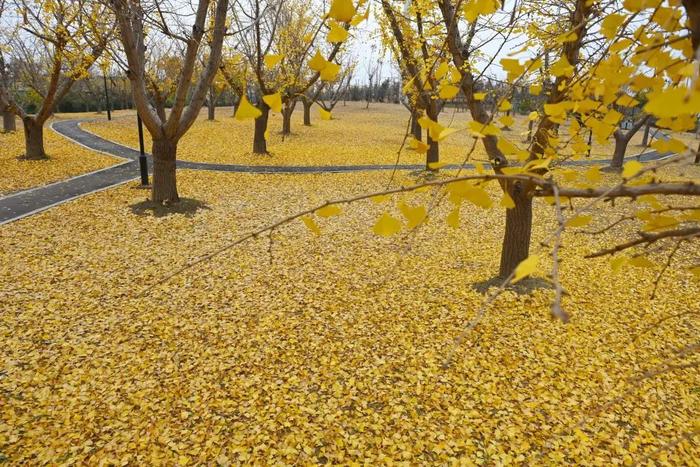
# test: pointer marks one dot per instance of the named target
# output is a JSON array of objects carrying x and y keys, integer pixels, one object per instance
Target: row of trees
[{"x": 582, "y": 66}]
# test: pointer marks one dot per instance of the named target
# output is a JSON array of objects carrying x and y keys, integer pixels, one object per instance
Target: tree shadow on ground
[
  {"x": 187, "y": 206},
  {"x": 524, "y": 287}
]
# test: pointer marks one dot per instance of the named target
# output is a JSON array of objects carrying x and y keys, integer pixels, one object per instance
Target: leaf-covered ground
[
  {"x": 355, "y": 136},
  {"x": 66, "y": 159},
  {"x": 326, "y": 349}
]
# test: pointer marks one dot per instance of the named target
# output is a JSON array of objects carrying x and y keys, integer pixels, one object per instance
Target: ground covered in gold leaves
[
  {"x": 326, "y": 349},
  {"x": 356, "y": 135},
  {"x": 65, "y": 160}
]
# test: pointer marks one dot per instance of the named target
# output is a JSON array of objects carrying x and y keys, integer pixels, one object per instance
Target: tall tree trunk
[
  {"x": 259, "y": 143},
  {"x": 516, "y": 239},
  {"x": 416, "y": 129},
  {"x": 307, "y": 112},
  {"x": 33, "y": 139},
  {"x": 8, "y": 121},
  {"x": 697, "y": 155},
  {"x": 433, "y": 154},
  {"x": 620, "y": 148},
  {"x": 287, "y": 112},
  {"x": 211, "y": 104},
  {"x": 164, "y": 189}
]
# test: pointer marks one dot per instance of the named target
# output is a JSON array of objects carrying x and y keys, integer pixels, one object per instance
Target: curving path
[{"x": 25, "y": 203}]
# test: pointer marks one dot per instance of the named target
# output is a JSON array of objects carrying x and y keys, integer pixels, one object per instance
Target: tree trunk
[
  {"x": 697, "y": 155},
  {"x": 259, "y": 143},
  {"x": 416, "y": 129},
  {"x": 33, "y": 139},
  {"x": 516, "y": 239},
  {"x": 287, "y": 112},
  {"x": 307, "y": 113},
  {"x": 164, "y": 190},
  {"x": 620, "y": 149},
  {"x": 433, "y": 154},
  {"x": 211, "y": 105},
  {"x": 8, "y": 121},
  {"x": 235, "y": 106}
]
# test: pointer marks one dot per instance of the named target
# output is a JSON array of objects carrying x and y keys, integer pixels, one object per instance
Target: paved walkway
[{"x": 25, "y": 203}]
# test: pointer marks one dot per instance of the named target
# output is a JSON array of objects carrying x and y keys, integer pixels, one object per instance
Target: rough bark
[
  {"x": 287, "y": 112},
  {"x": 416, "y": 129},
  {"x": 164, "y": 189},
  {"x": 307, "y": 113},
  {"x": 622, "y": 140},
  {"x": 433, "y": 154},
  {"x": 33, "y": 139},
  {"x": 259, "y": 142},
  {"x": 697, "y": 155},
  {"x": 211, "y": 105},
  {"x": 620, "y": 148},
  {"x": 516, "y": 240},
  {"x": 8, "y": 121}
]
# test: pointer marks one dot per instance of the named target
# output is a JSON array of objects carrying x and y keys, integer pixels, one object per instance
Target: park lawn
[
  {"x": 355, "y": 136},
  {"x": 65, "y": 160},
  {"x": 307, "y": 349}
]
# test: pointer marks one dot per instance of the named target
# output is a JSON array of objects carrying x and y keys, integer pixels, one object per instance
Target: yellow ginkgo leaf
[
  {"x": 436, "y": 165},
  {"x": 479, "y": 96},
  {"x": 448, "y": 91},
  {"x": 342, "y": 10},
  {"x": 579, "y": 221},
  {"x": 357, "y": 19},
  {"x": 507, "y": 202},
  {"x": 526, "y": 268},
  {"x": 271, "y": 60},
  {"x": 317, "y": 62},
  {"x": 617, "y": 262},
  {"x": 610, "y": 24},
  {"x": 475, "y": 8},
  {"x": 505, "y": 106},
  {"x": 507, "y": 121},
  {"x": 533, "y": 115},
  {"x": 274, "y": 101},
  {"x": 631, "y": 169},
  {"x": 535, "y": 89},
  {"x": 380, "y": 198},
  {"x": 641, "y": 262},
  {"x": 330, "y": 71},
  {"x": 329, "y": 211},
  {"x": 453, "y": 218},
  {"x": 593, "y": 174},
  {"x": 441, "y": 70},
  {"x": 311, "y": 225},
  {"x": 337, "y": 33},
  {"x": 387, "y": 225},
  {"x": 324, "y": 114},
  {"x": 247, "y": 110},
  {"x": 266, "y": 135},
  {"x": 419, "y": 146},
  {"x": 479, "y": 197},
  {"x": 562, "y": 68},
  {"x": 414, "y": 216}
]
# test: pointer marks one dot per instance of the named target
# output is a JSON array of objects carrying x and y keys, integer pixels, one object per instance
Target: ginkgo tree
[
  {"x": 50, "y": 45},
  {"x": 277, "y": 61},
  {"x": 138, "y": 29},
  {"x": 575, "y": 94},
  {"x": 428, "y": 78}
]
